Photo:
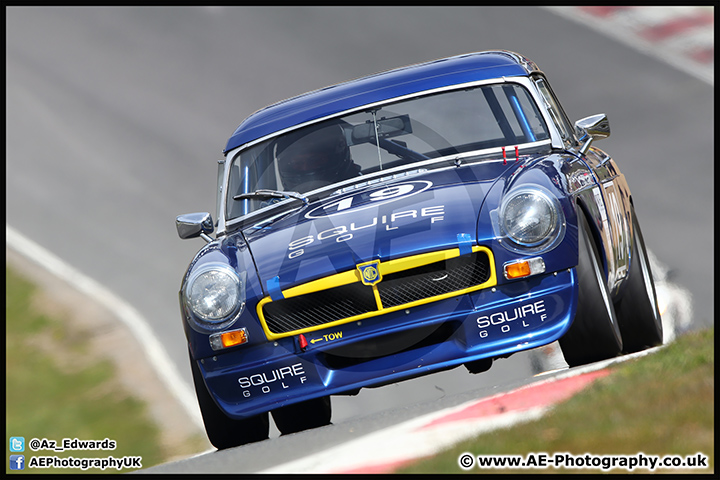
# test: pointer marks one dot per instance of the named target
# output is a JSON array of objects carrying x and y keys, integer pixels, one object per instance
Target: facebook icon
[{"x": 17, "y": 462}]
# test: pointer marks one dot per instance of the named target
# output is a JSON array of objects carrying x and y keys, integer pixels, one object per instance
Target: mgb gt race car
[{"x": 412, "y": 221}]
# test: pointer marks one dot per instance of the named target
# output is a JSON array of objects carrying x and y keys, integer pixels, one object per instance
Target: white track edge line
[{"x": 131, "y": 318}]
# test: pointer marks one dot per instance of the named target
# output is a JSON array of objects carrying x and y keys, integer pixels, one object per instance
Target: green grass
[
  {"x": 55, "y": 390},
  {"x": 661, "y": 404}
]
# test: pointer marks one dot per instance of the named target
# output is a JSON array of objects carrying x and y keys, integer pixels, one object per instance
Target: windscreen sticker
[{"x": 370, "y": 199}]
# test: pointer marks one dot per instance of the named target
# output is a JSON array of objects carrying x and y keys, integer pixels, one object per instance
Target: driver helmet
[{"x": 313, "y": 157}]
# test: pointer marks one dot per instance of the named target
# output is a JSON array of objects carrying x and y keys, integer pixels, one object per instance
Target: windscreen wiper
[{"x": 271, "y": 194}]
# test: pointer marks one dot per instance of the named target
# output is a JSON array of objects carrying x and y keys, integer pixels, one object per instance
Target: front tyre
[
  {"x": 637, "y": 310},
  {"x": 223, "y": 431},
  {"x": 303, "y": 416},
  {"x": 594, "y": 334}
]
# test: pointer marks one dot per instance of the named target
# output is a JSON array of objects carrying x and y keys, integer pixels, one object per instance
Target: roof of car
[{"x": 375, "y": 88}]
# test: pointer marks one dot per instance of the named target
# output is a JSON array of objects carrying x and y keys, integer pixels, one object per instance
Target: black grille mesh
[
  {"x": 319, "y": 308},
  {"x": 433, "y": 280}
]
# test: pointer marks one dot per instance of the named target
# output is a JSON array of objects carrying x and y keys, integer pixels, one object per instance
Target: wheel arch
[{"x": 583, "y": 209}]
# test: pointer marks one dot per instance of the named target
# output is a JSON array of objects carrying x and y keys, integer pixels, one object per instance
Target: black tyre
[
  {"x": 479, "y": 366},
  {"x": 637, "y": 311},
  {"x": 303, "y": 416},
  {"x": 594, "y": 334},
  {"x": 223, "y": 431}
]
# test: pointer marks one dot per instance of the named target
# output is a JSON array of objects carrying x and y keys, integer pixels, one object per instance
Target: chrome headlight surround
[
  {"x": 530, "y": 220},
  {"x": 214, "y": 294}
]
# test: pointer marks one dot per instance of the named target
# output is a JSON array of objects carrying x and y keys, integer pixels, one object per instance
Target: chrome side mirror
[
  {"x": 592, "y": 128},
  {"x": 193, "y": 225}
]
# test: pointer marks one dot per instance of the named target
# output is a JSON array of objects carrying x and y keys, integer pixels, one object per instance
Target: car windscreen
[{"x": 389, "y": 136}]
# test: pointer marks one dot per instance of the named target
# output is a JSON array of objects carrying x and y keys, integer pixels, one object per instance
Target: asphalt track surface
[{"x": 116, "y": 118}]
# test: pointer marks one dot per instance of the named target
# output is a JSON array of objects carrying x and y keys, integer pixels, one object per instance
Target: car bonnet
[{"x": 411, "y": 215}]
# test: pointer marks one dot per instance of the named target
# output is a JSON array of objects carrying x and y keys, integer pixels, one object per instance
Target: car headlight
[
  {"x": 215, "y": 294},
  {"x": 531, "y": 219}
]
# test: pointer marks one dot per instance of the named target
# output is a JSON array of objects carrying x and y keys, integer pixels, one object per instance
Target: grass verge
[
  {"x": 56, "y": 390},
  {"x": 662, "y": 404}
]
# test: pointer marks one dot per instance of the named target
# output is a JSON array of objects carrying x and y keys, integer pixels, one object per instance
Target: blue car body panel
[{"x": 450, "y": 208}]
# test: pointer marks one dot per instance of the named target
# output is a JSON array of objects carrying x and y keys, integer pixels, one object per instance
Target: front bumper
[{"x": 428, "y": 338}]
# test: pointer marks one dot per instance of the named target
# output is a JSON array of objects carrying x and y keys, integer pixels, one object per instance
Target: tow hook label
[{"x": 328, "y": 337}]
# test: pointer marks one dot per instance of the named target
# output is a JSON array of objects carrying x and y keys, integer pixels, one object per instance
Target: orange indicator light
[
  {"x": 235, "y": 337},
  {"x": 524, "y": 268},
  {"x": 218, "y": 341},
  {"x": 517, "y": 270}
]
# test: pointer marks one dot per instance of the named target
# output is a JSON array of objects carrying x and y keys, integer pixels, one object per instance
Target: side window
[{"x": 556, "y": 111}]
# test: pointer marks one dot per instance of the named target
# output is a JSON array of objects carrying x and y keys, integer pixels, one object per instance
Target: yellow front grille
[{"x": 404, "y": 283}]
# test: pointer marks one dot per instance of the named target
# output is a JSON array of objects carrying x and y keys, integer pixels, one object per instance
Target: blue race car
[{"x": 401, "y": 224}]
